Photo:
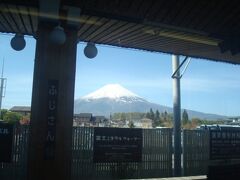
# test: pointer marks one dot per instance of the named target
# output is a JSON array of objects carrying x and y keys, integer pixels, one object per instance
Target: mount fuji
[{"x": 114, "y": 98}]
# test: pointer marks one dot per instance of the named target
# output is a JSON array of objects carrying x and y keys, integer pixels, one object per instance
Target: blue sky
[{"x": 206, "y": 86}]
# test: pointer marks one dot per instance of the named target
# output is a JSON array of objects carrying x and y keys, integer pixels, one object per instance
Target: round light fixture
[
  {"x": 58, "y": 36},
  {"x": 18, "y": 42},
  {"x": 90, "y": 50}
]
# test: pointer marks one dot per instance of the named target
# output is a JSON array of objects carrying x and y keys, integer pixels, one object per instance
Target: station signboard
[
  {"x": 6, "y": 142},
  {"x": 117, "y": 145},
  {"x": 224, "y": 144}
]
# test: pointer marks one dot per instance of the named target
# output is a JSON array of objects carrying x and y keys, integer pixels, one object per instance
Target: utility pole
[
  {"x": 177, "y": 75},
  {"x": 176, "y": 116},
  {"x": 2, "y": 80}
]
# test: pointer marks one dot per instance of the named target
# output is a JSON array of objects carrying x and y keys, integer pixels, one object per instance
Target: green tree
[
  {"x": 3, "y": 112},
  {"x": 156, "y": 120},
  {"x": 185, "y": 119},
  {"x": 123, "y": 117},
  {"x": 148, "y": 115},
  {"x": 165, "y": 116},
  {"x": 131, "y": 124},
  {"x": 12, "y": 117},
  {"x": 152, "y": 115},
  {"x": 157, "y": 116}
]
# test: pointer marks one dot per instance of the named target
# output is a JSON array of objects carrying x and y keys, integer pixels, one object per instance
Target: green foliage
[
  {"x": 157, "y": 116},
  {"x": 163, "y": 119},
  {"x": 151, "y": 114},
  {"x": 12, "y": 117},
  {"x": 3, "y": 112},
  {"x": 128, "y": 116},
  {"x": 164, "y": 115},
  {"x": 131, "y": 124},
  {"x": 185, "y": 119},
  {"x": 123, "y": 117},
  {"x": 148, "y": 115}
]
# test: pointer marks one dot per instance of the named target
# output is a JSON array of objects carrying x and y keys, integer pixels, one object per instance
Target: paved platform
[{"x": 180, "y": 178}]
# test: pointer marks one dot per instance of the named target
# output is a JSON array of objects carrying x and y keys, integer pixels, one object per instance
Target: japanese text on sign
[
  {"x": 117, "y": 145},
  {"x": 224, "y": 144},
  {"x": 51, "y": 119}
]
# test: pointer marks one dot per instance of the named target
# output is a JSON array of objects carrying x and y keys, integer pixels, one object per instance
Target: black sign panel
[
  {"x": 224, "y": 144},
  {"x": 6, "y": 140},
  {"x": 117, "y": 145},
  {"x": 52, "y": 93}
]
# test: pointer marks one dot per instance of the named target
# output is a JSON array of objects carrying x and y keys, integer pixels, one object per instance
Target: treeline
[
  {"x": 164, "y": 119},
  {"x": 159, "y": 119},
  {"x": 128, "y": 115},
  {"x": 14, "y": 117}
]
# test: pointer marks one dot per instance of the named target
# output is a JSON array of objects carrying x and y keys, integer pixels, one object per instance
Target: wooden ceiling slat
[
  {"x": 16, "y": 20},
  {"x": 33, "y": 20},
  {"x": 225, "y": 24},
  {"x": 166, "y": 42},
  {"x": 25, "y": 20},
  {"x": 183, "y": 13},
  {"x": 119, "y": 6},
  {"x": 118, "y": 32},
  {"x": 199, "y": 13},
  {"x": 124, "y": 6},
  {"x": 30, "y": 22},
  {"x": 166, "y": 49},
  {"x": 153, "y": 40},
  {"x": 162, "y": 10},
  {"x": 153, "y": 9},
  {"x": 113, "y": 32},
  {"x": 92, "y": 27},
  {"x": 6, "y": 23},
  {"x": 136, "y": 5},
  {"x": 83, "y": 5},
  {"x": 2, "y": 27},
  {"x": 168, "y": 7},
  {"x": 172, "y": 13},
  {"x": 8, "y": 20},
  {"x": 140, "y": 38},
  {"x": 85, "y": 26},
  {"x": 209, "y": 14},
  {"x": 83, "y": 19},
  {"x": 130, "y": 32},
  {"x": 112, "y": 26},
  {"x": 193, "y": 10},
  {"x": 99, "y": 29},
  {"x": 94, "y": 30},
  {"x": 144, "y": 7},
  {"x": 214, "y": 19}
]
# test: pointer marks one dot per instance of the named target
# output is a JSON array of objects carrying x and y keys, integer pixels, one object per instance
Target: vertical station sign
[
  {"x": 117, "y": 145},
  {"x": 6, "y": 141},
  {"x": 52, "y": 93}
]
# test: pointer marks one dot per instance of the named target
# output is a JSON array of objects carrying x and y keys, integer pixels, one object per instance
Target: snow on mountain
[{"x": 113, "y": 91}]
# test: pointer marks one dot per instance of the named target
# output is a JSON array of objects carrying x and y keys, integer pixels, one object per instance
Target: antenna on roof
[
  {"x": 2, "y": 68},
  {"x": 2, "y": 87}
]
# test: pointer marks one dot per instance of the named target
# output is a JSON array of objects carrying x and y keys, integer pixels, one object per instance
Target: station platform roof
[{"x": 201, "y": 29}]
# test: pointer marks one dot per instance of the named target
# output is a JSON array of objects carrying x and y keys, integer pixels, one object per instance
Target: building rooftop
[{"x": 21, "y": 109}]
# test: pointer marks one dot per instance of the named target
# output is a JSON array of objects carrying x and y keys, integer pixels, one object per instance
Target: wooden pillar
[{"x": 50, "y": 138}]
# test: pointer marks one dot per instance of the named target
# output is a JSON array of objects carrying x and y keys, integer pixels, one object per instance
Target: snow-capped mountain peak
[{"x": 112, "y": 91}]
